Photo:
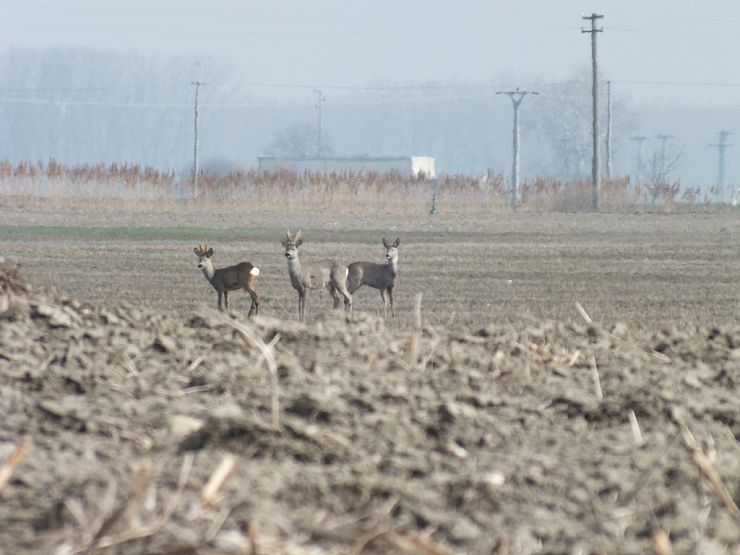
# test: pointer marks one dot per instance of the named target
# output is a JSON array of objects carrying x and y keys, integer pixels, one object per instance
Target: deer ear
[
  {"x": 209, "y": 254},
  {"x": 385, "y": 243},
  {"x": 398, "y": 242},
  {"x": 284, "y": 243},
  {"x": 298, "y": 242},
  {"x": 196, "y": 251}
]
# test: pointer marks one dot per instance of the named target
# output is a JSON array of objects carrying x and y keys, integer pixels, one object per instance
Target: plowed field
[{"x": 137, "y": 419}]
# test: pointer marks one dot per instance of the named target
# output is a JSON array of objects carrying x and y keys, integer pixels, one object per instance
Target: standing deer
[
  {"x": 241, "y": 276},
  {"x": 379, "y": 276},
  {"x": 329, "y": 274}
]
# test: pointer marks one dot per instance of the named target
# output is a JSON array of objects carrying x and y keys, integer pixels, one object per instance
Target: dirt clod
[{"x": 491, "y": 440}]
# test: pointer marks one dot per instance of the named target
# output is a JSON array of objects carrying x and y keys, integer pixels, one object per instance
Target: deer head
[
  {"x": 291, "y": 244},
  {"x": 204, "y": 255},
  {"x": 391, "y": 251}
]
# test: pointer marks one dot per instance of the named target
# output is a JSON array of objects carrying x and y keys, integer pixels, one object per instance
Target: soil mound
[
  {"x": 127, "y": 430},
  {"x": 13, "y": 288}
]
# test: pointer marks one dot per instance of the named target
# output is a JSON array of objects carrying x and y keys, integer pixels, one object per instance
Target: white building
[{"x": 406, "y": 165}]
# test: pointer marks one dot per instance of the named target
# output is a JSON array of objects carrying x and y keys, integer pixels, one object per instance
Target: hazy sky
[{"x": 667, "y": 51}]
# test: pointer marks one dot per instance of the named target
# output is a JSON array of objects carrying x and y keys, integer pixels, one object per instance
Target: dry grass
[{"x": 133, "y": 187}]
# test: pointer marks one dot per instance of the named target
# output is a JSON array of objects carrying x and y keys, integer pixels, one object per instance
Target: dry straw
[
  {"x": 704, "y": 464},
  {"x": 101, "y": 540},
  {"x": 136, "y": 187},
  {"x": 266, "y": 352},
  {"x": 209, "y": 495},
  {"x": 15, "y": 458},
  {"x": 597, "y": 381},
  {"x": 416, "y": 331}
]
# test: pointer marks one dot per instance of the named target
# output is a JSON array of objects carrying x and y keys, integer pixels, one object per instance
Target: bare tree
[
  {"x": 657, "y": 168},
  {"x": 299, "y": 141},
  {"x": 561, "y": 118}
]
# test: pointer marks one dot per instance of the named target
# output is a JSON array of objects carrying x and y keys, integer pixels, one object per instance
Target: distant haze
[{"x": 672, "y": 62}]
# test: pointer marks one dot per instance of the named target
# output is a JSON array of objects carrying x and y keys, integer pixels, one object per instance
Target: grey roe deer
[
  {"x": 329, "y": 274},
  {"x": 240, "y": 276},
  {"x": 379, "y": 276}
]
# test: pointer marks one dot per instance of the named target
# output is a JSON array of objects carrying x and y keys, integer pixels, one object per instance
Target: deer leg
[
  {"x": 334, "y": 295},
  {"x": 302, "y": 305},
  {"x": 219, "y": 300},
  {"x": 255, "y": 306},
  {"x": 347, "y": 299},
  {"x": 226, "y": 299},
  {"x": 390, "y": 298},
  {"x": 385, "y": 302}
]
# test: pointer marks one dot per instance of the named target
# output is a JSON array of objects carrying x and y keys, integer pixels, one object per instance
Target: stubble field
[
  {"x": 482, "y": 432},
  {"x": 471, "y": 270}
]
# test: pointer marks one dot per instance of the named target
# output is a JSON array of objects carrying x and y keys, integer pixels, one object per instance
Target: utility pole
[
  {"x": 320, "y": 99},
  {"x": 196, "y": 170},
  {"x": 663, "y": 138},
  {"x": 639, "y": 139},
  {"x": 595, "y": 166},
  {"x": 516, "y": 98},
  {"x": 721, "y": 147},
  {"x": 608, "y": 128},
  {"x": 663, "y": 170}
]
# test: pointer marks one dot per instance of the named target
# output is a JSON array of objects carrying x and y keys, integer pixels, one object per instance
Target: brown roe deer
[
  {"x": 240, "y": 276},
  {"x": 329, "y": 274},
  {"x": 379, "y": 276}
]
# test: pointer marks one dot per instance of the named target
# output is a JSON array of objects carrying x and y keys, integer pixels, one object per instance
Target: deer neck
[
  {"x": 294, "y": 264},
  {"x": 208, "y": 270},
  {"x": 294, "y": 269},
  {"x": 393, "y": 266}
]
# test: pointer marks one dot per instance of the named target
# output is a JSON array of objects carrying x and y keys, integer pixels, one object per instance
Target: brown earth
[
  {"x": 641, "y": 269},
  {"x": 487, "y": 435}
]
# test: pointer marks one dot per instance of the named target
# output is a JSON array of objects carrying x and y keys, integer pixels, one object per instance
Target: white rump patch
[
  {"x": 255, "y": 271},
  {"x": 346, "y": 273}
]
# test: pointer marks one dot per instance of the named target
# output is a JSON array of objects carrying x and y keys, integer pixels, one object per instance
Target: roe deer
[
  {"x": 241, "y": 276},
  {"x": 379, "y": 276},
  {"x": 329, "y": 274}
]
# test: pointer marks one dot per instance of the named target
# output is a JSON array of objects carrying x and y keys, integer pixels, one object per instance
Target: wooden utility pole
[
  {"x": 608, "y": 128},
  {"x": 516, "y": 98},
  {"x": 320, "y": 99},
  {"x": 664, "y": 168},
  {"x": 596, "y": 163},
  {"x": 196, "y": 170},
  {"x": 639, "y": 139},
  {"x": 721, "y": 147}
]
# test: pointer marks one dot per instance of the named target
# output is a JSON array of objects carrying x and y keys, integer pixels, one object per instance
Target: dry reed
[{"x": 131, "y": 186}]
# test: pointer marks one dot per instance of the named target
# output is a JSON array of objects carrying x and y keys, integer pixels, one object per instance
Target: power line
[
  {"x": 59, "y": 102},
  {"x": 150, "y": 30},
  {"x": 637, "y": 30},
  {"x": 484, "y": 89},
  {"x": 677, "y": 83},
  {"x": 476, "y": 92}
]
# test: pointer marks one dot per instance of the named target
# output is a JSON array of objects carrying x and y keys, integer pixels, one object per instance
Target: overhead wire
[{"x": 465, "y": 92}]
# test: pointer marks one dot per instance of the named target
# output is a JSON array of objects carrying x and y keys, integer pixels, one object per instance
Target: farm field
[
  {"x": 471, "y": 270},
  {"x": 506, "y": 423}
]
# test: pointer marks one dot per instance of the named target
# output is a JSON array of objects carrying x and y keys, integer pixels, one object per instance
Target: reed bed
[{"x": 131, "y": 186}]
